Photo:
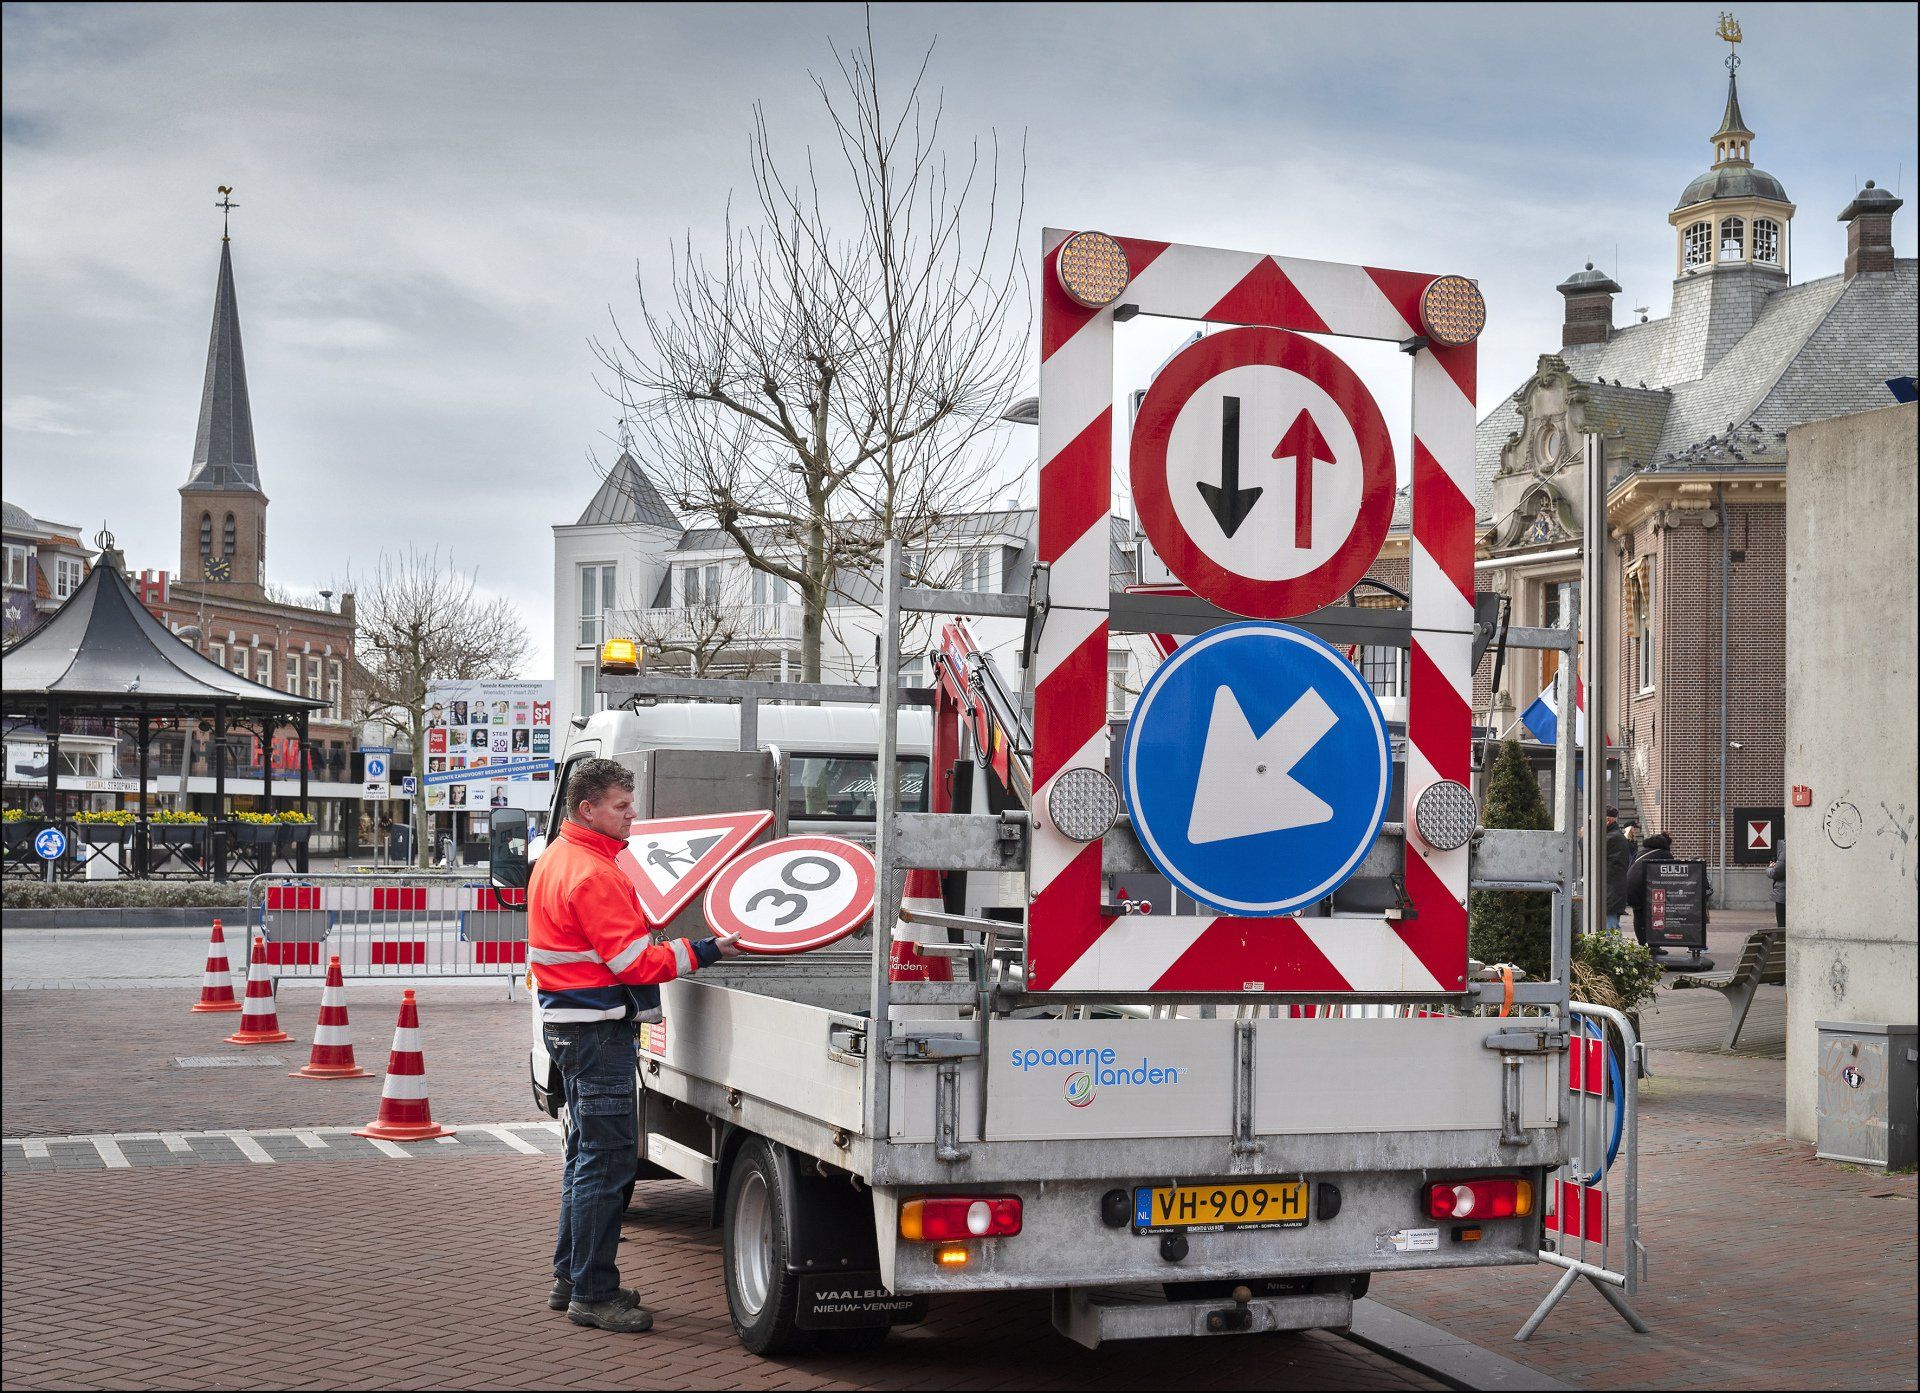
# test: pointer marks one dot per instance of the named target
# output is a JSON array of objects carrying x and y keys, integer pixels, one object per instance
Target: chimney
[
  {"x": 1589, "y": 307},
  {"x": 347, "y": 611},
  {"x": 1869, "y": 220}
]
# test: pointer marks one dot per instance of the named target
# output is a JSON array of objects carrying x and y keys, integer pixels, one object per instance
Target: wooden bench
[{"x": 1763, "y": 962}]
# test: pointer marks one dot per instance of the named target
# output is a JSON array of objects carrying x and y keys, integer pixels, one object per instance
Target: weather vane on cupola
[
  {"x": 226, "y": 205},
  {"x": 1730, "y": 31}
]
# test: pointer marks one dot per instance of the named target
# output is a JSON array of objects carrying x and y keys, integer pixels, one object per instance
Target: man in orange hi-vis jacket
[{"x": 596, "y": 973}]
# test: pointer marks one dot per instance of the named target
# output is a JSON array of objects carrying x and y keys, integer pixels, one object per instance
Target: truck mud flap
[{"x": 853, "y": 1300}]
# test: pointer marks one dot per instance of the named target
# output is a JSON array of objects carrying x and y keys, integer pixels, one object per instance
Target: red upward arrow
[{"x": 1305, "y": 444}]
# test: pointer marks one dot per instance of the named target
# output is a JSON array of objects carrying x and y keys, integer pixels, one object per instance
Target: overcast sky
[{"x": 441, "y": 206}]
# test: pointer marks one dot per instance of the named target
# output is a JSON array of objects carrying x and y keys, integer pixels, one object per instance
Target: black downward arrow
[{"x": 1230, "y": 503}]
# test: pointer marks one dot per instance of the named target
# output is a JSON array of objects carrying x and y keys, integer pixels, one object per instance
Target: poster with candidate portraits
[{"x": 491, "y": 745}]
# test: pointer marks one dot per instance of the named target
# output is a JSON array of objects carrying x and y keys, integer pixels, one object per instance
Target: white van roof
[{"x": 708, "y": 725}]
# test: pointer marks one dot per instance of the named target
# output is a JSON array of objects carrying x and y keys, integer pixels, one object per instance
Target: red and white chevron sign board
[{"x": 1071, "y": 945}]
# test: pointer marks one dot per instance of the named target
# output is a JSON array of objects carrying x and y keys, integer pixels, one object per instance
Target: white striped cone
[
  {"x": 404, "y": 1112},
  {"x": 216, "y": 983},
  {"x": 332, "y": 1056},
  {"x": 905, "y": 961},
  {"x": 259, "y": 1023}
]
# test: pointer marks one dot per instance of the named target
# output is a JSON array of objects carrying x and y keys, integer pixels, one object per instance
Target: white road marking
[
  {"x": 36, "y": 1150},
  {"x": 110, "y": 1152},
  {"x": 511, "y": 1140},
  {"x": 250, "y": 1148},
  {"x": 387, "y": 1148},
  {"x": 175, "y": 1142},
  {"x": 447, "y": 1141},
  {"x": 311, "y": 1141}
]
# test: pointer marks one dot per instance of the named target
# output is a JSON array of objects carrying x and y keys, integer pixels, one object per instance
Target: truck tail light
[
  {"x": 1484, "y": 1197},
  {"x": 947, "y": 1218}
]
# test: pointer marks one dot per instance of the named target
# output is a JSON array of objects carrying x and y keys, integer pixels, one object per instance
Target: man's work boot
[
  {"x": 562, "y": 1295},
  {"x": 612, "y": 1315}
]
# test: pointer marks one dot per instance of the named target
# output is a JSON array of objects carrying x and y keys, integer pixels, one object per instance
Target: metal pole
[
  {"x": 1597, "y": 631},
  {"x": 1720, "y": 816},
  {"x": 143, "y": 838},
  {"x": 886, "y": 904},
  {"x": 301, "y": 723},
  {"x": 53, "y": 767},
  {"x": 221, "y": 832}
]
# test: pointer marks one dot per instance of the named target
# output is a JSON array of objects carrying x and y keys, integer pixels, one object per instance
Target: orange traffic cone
[
  {"x": 332, "y": 1056},
  {"x": 404, "y": 1114},
  {"x": 259, "y": 1024},
  {"x": 905, "y": 962},
  {"x": 216, "y": 985}
]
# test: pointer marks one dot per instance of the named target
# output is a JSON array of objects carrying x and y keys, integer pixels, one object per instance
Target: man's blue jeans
[{"x": 597, "y": 1069}]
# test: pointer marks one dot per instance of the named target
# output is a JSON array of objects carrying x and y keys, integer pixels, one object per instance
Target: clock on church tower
[{"x": 219, "y": 568}]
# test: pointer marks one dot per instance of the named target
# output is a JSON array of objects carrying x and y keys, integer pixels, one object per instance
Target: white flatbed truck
[{"x": 1156, "y": 1166}]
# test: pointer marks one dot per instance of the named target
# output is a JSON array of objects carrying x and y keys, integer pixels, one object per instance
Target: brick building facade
[{"x": 1693, "y": 412}]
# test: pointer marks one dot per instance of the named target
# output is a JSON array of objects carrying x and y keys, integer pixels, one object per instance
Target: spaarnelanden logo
[
  {"x": 1088, "y": 1069},
  {"x": 1079, "y": 1088}
]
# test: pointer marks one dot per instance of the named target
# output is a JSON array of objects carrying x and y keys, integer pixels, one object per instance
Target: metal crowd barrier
[
  {"x": 1592, "y": 1206},
  {"x": 413, "y": 924}
]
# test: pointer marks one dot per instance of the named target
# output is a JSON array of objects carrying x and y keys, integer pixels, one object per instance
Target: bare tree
[
  {"x": 818, "y": 389},
  {"x": 419, "y": 622}
]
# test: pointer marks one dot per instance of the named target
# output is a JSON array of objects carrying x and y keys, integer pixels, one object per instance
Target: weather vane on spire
[
  {"x": 1730, "y": 31},
  {"x": 226, "y": 205}
]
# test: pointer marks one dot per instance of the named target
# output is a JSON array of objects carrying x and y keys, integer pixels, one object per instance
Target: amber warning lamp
[{"x": 620, "y": 655}]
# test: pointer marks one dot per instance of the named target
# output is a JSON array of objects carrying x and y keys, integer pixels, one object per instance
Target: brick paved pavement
[{"x": 376, "y": 1274}]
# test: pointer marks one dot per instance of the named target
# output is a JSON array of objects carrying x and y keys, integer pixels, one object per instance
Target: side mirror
[{"x": 507, "y": 853}]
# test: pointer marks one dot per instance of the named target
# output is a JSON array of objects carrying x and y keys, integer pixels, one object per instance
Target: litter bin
[
  {"x": 400, "y": 842},
  {"x": 1865, "y": 1105}
]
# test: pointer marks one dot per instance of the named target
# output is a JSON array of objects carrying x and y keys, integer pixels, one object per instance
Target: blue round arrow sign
[{"x": 1256, "y": 768}]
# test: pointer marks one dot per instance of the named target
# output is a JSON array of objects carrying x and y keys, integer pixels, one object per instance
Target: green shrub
[
  {"x": 1613, "y": 970},
  {"x": 1510, "y": 926},
  {"x": 123, "y": 894}
]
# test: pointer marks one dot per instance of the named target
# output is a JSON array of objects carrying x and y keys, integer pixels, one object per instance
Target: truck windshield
[{"x": 842, "y": 786}]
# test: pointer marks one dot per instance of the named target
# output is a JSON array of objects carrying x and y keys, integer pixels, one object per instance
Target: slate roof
[
  {"x": 223, "y": 456},
  {"x": 628, "y": 496},
  {"x": 1817, "y": 350}
]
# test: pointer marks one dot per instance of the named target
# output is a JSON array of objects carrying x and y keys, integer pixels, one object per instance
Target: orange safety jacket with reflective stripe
[{"x": 587, "y": 942}]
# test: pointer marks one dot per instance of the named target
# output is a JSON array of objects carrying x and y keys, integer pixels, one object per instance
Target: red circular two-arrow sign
[{"x": 1301, "y": 423}]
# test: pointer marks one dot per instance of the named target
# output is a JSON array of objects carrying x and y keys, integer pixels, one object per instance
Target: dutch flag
[{"x": 1542, "y": 719}]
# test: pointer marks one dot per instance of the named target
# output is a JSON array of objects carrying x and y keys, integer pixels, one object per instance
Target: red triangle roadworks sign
[{"x": 671, "y": 859}]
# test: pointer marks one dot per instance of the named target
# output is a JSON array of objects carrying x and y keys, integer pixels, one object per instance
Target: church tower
[
  {"x": 1730, "y": 242},
  {"x": 223, "y": 511}
]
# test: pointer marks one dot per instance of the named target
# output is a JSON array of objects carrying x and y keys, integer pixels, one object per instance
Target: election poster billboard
[{"x": 490, "y": 744}]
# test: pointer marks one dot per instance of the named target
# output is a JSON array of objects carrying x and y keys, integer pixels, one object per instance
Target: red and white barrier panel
[{"x": 1072, "y": 945}]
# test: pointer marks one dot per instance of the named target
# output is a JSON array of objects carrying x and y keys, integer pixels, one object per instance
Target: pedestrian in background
[
  {"x": 1654, "y": 848},
  {"x": 1619, "y": 861},
  {"x": 1777, "y": 873}
]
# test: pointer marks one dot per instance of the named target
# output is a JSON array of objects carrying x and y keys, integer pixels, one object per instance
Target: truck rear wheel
[{"x": 762, "y": 1295}]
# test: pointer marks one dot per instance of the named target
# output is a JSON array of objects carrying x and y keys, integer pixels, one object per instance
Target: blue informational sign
[
  {"x": 51, "y": 844},
  {"x": 1256, "y": 768}
]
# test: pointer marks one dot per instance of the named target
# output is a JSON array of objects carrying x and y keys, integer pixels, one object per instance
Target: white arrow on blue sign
[
  {"x": 51, "y": 844},
  {"x": 1256, "y": 769}
]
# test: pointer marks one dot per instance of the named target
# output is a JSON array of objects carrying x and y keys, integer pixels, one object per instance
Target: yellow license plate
[{"x": 1240, "y": 1204}]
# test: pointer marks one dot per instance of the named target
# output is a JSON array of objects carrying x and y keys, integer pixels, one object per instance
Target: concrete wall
[{"x": 1851, "y": 674}]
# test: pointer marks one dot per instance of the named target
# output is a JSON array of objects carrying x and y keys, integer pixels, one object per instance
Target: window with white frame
[
  {"x": 1766, "y": 241},
  {"x": 769, "y": 589},
  {"x": 1385, "y": 669},
  {"x": 1643, "y": 636},
  {"x": 700, "y": 585},
  {"x": 263, "y": 667},
  {"x": 1699, "y": 244},
  {"x": 16, "y": 567},
  {"x": 1118, "y": 666},
  {"x": 913, "y": 671},
  {"x": 68, "y": 573},
  {"x": 977, "y": 571},
  {"x": 217, "y": 652},
  {"x": 333, "y": 687},
  {"x": 586, "y": 701},
  {"x": 242, "y": 662},
  {"x": 596, "y": 598},
  {"x": 293, "y": 674},
  {"x": 313, "y": 678},
  {"x": 1733, "y": 239}
]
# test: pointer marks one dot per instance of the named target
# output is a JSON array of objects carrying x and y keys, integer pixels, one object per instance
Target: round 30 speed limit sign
[{"x": 793, "y": 895}]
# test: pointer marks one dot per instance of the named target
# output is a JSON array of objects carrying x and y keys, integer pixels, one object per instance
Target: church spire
[
  {"x": 1732, "y": 142},
  {"x": 223, "y": 455}
]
